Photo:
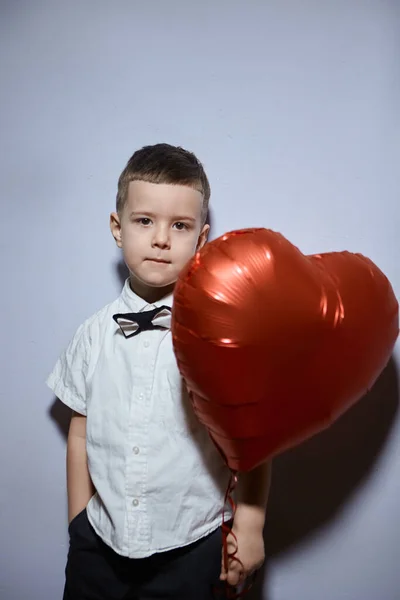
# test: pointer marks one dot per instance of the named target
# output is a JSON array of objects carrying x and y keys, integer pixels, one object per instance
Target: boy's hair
[{"x": 163, "y": 163}]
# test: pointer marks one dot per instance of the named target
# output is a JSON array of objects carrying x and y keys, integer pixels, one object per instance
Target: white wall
[{"x": 294, "y": 108}]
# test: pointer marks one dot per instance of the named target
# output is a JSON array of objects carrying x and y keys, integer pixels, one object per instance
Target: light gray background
[{"x": 294, "y": 108}]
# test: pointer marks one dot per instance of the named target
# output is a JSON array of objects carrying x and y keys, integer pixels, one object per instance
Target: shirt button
[
  {"x": 136, "y": 450},
  {"x": 135, "y": 502},
  {"x": 146, "y": 344}
]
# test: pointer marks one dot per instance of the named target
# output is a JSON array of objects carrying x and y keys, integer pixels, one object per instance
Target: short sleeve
[{"x": 68, "y": 378}]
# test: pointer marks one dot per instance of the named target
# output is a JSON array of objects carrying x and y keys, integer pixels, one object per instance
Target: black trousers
[{"x": 95, "y": 572}]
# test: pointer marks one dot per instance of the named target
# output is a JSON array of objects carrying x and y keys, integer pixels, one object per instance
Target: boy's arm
[
  {"x": 251, "y": 502},
  {"x": 252, "y": 496},
  {"x": 79, "y": 484}
]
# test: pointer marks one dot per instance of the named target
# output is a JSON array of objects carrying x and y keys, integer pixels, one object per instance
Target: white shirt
[{"x": 160, "y": 482}]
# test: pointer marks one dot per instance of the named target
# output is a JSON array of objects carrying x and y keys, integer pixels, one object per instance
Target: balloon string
[
  {"x": 226, "y": 526},
  {"x": 230, "y": 591}
]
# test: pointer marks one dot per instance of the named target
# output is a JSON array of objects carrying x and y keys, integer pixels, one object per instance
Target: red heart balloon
[{"x": 274, "y": 345}]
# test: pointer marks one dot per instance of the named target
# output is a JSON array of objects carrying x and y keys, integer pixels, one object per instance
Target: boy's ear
[
  {"x": 203, "y": 237},
  {"x": 115, "y": 226}
]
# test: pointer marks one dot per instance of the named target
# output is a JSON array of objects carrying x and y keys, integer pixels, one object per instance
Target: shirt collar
[{"x": 135, "y": 303}]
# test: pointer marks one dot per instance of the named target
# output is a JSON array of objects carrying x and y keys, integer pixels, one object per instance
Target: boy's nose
[{"x": 161, "y": 237}]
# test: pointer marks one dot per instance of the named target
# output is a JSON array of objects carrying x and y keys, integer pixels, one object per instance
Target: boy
[{"x": 145, "y": 483}]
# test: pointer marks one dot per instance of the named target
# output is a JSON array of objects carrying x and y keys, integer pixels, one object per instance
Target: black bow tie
[{"x": 133, "y": 323}]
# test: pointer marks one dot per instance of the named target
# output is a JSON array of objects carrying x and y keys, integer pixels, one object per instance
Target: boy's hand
[
  {"x": 251, "y": 554},
  {"x": 248, "y": 525}
]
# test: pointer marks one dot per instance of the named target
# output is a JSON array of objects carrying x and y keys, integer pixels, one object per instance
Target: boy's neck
[{"x": 150, "y": 294}]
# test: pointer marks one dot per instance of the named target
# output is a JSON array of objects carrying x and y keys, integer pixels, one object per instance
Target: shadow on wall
[
  {"x": 312, "y": 482},
  {"x": 61, "y": 415}
]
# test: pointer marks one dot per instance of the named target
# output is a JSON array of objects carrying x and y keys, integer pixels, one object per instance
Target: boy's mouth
[{"x": 159, "y": 260}]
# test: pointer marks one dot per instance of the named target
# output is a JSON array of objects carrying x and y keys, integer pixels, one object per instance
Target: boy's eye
[
  {"x": 144, "y": 221},
  {"x": 180, "y": 226}
]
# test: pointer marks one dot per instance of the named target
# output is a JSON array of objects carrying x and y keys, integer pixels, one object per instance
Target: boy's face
[{"x": 159, "y": 230}]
